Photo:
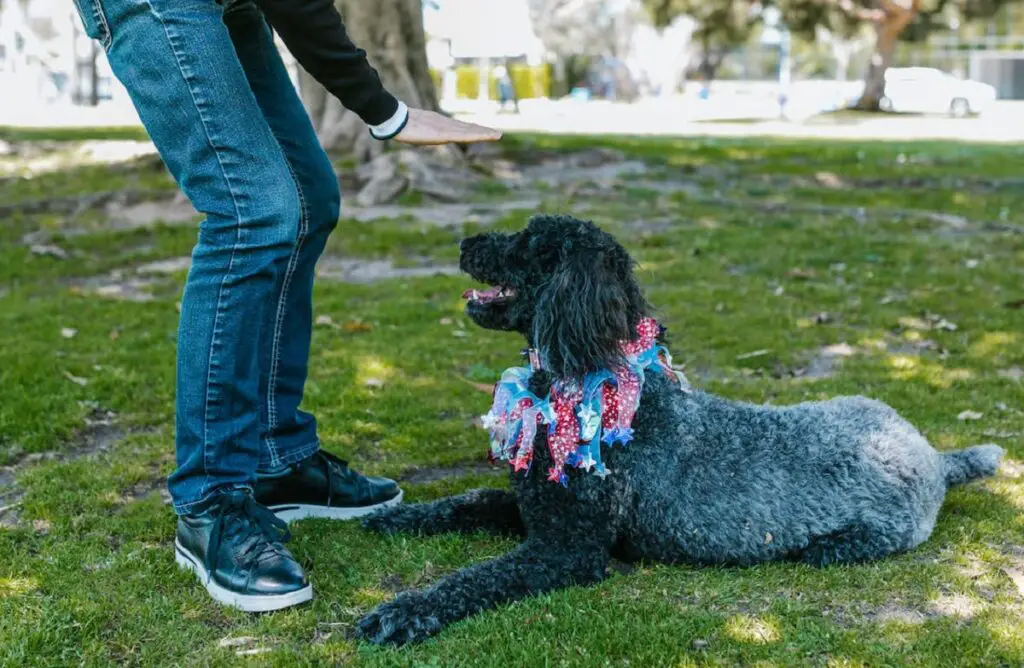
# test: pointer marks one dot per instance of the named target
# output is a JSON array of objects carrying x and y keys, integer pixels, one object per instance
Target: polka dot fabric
[{"x": 516, "y": 412}]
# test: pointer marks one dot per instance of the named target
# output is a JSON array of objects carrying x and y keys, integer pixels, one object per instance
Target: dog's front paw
[{"x": 403, "y": 620}]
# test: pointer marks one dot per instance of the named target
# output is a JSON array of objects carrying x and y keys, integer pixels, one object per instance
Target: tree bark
[
  {"x": 391, "y": 33},
  {"x": 892, "y": 21}
]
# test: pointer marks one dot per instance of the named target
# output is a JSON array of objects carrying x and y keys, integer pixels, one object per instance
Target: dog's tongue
[{"x": 482, "y": 295}]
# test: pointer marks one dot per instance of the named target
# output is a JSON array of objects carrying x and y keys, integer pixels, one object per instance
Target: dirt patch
[
  {"x": 352, "y": 270},
  {"x": 895, "y": 613},
  {"x": 140, "y": 284},
  {"x": 118, "y": 285},
  {"x": 827, "y": 359},
  {"x": 10, "y": 498},
  {"x": 100, "y": 433},
  {"x": 174, "y": 265},
  {"x": 442, "y": 215},
  {"x": 175, "y": 211},
  {"x": 421, "y": 476}
]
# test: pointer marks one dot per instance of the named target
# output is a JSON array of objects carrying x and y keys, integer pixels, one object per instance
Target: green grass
[{"x": 88, "y": 576}]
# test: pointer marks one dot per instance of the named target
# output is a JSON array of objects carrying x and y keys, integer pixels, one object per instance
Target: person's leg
[
  {"x": 177, "y": 62},
  {"x": 296, "y": 480},
  {"x": 288, "y": 435}
]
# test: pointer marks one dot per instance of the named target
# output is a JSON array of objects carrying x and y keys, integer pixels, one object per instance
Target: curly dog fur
[{"x": 706, "y": 480}]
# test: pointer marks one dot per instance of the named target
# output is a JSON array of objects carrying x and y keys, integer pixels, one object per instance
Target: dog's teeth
[{"x": 476, "y": 296}]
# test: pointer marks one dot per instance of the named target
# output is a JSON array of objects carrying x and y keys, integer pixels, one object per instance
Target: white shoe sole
[
  {"x": 300, "y": 511},
  {"x": 244, "y": 602}
]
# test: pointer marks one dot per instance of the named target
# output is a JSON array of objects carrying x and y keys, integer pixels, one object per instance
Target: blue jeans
[{"x": 215, "y": 97}]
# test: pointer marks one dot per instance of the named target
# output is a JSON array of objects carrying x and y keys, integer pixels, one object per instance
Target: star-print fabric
[{"x": 579, "y": 416}]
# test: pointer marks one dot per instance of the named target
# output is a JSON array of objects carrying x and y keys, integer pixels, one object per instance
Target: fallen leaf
[
  {"x": 993, "y": 433},
  {"x": 376, "y": 383},
  {"x": 969, "y": 415},
  {"x": 751, "y": 355},
  {"x": 115, "y": 334},
  {"x": 224, "y": 643},
  {"x": 483, "y": 387},
  {"x": 972, "y": 264},
  {"x": 700, "y": 643},
  {"x": 41, "y": 527},
  {"x": 68, "y": 332},
  {"x": 800, "y": 274},
  {"x": 77, "y": 380},
  {"x": 356, "y": 326},
  {"x": 839, "y": 350},
  {"x": 49, "y": 249},
  {"x": 461, "y": 333},
  {"x": 446, "y": 321},
  {"x": 829, "y": 180},
  {"x": 325, "y": 321},
  {"x": 1013, "y": 373},
  {"x": 910, "y": 322}
]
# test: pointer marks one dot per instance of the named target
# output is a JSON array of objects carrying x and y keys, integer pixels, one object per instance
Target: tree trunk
[
  {"x": 391, "y": 33},
  {"x": 887, "y": 30},
  {"x": 94, "y": 76}
]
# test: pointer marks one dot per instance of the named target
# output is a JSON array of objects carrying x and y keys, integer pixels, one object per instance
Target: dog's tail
[{"x": 963, "y": 466}]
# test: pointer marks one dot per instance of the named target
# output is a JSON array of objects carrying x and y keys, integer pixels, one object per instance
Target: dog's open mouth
[{"x": 494, "y": 295}]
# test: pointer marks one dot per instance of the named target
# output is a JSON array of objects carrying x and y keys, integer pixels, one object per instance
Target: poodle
[{"x": 662, "y": 472}]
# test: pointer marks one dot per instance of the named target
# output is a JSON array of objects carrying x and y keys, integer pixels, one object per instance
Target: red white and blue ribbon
[{"x": 580, "y": 416}]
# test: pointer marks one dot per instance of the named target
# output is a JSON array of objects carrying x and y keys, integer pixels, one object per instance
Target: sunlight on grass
[
  {"x": 992, "y": 342},
  {"x": 17, "y": 586},
  {"x": 909, "y": 368},
  {"x": 747, "y": 628},
  {"x": 1009, "y": 490},
  {"x": 371, "y": 371}
]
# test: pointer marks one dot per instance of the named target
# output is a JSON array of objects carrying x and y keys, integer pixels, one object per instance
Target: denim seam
[
  {"x": 238, "y": 238},
  {"x": 299, "y": 454},
  {"x": 108, "y": 37},
  {"x": 96, "y": 11},
  {"x": 275, "y": 355}
]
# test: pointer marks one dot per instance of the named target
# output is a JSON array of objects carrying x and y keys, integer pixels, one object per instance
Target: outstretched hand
[{"x": 428, "y": 128}]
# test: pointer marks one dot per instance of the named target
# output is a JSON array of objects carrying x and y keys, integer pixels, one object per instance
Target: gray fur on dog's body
[{"x": 706, "y": 480}]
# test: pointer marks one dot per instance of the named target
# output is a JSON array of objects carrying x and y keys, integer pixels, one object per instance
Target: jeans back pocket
[{"x": 94, "y": 21}]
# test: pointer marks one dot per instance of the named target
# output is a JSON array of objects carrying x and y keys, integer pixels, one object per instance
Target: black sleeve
[{"x": 315, "y": 35}]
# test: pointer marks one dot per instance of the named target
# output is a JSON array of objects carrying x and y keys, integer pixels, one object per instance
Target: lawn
[{"x": 785, "y": 271}]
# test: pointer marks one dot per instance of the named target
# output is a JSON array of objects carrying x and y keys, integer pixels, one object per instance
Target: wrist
[{"x": 392, "y": 126}]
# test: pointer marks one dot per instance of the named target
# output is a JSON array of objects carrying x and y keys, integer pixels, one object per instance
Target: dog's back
[{"x": 719, "y": 481}]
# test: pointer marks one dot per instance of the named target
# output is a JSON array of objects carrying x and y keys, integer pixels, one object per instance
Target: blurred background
[{"x": 633, "y": 66}]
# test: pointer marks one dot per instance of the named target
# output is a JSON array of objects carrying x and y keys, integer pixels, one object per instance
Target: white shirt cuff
[{"x": 393, "y": 125}]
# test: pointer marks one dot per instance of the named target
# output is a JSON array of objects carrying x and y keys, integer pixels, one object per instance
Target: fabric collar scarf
[{"x": 579, "y": 416}]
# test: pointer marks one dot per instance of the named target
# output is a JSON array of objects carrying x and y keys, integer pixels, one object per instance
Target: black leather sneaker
[
  {"x": 324, "y": 486},
  {"x": 235, "y": 547}
]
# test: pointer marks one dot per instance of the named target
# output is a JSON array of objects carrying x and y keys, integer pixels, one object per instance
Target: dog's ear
[{"x": 588, "y": 308}]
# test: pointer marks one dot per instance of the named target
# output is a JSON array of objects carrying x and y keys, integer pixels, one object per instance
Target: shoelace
[
  {"x": 258, "y": 522},
  {"x": 336, "y": 467}
]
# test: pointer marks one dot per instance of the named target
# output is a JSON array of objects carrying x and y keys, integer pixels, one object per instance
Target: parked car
[{"x": 926, "y": 90}]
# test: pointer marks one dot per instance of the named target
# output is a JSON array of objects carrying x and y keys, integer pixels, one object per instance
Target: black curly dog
[{"x": 705, "y": 481}]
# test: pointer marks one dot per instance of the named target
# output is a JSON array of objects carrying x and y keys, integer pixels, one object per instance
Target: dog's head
[{"x": 564, "y": 284}]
